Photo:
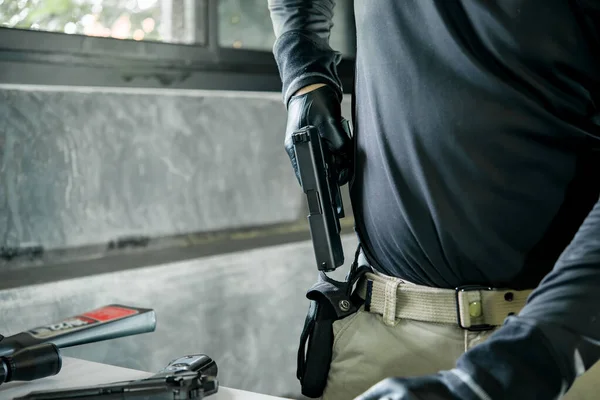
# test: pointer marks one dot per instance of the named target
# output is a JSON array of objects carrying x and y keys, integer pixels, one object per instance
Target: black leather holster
[{"x": 330, "y": 300}]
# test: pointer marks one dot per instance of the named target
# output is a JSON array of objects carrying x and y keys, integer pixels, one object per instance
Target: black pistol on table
[
  {"x": 185, "y": 378},
  {"x": 323, "y": 195}
]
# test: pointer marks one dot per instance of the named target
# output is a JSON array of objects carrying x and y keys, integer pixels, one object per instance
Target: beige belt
[{"x": 473, "y": 308}]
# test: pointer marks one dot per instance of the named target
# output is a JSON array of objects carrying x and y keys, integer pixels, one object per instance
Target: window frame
[{"x": 49, "y": 58}]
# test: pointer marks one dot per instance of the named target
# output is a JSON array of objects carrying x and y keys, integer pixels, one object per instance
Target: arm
[
  {"x": 555, "y": 338},
  {"x": 302, "y": 50}
]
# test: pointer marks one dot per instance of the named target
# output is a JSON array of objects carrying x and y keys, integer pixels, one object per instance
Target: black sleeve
[
  {"x": 555, "y": 338},
  {"x": 302, "y": 51}
]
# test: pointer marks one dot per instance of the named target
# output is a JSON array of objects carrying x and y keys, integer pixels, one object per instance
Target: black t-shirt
[{"x": 472, "y": 152}]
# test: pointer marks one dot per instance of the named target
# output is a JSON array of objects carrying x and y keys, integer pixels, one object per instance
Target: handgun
[
  {"x": 34, "y": 354},
  {"x": 188, "y": 377},
  {"x": 325, "y": 207}
]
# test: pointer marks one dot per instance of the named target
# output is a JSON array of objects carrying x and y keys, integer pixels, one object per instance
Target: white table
[{"x": 77, "y": 372}]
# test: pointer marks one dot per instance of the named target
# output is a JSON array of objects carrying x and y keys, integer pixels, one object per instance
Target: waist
[{"x": 417, "y": 253}]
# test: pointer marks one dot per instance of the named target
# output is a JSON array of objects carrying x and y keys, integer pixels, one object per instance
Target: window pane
[
  {"x": 247, "y": 24},
  {"x": 172, "y": 21}
]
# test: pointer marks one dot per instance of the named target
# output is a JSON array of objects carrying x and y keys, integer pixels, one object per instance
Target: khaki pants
[{"x": 365, "y": 351}]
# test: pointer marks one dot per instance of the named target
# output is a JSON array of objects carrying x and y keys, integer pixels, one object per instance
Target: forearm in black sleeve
[
  {"x": 555, "y": 338},
  {"x": 301, "y": 50}
]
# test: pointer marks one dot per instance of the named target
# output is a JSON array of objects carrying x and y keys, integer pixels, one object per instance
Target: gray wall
[{"x": 86, "y": 166}]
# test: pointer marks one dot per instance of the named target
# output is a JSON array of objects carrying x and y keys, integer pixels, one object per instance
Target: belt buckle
[{"x": 470, "y": 288}]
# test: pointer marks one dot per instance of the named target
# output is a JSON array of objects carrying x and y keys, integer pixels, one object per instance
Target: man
[{"x": 474, "y": 162}]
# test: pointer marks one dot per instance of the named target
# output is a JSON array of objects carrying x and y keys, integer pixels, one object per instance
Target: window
[
  {"x": 170, "y": 21},
  {"x": 189, "y": 44}
]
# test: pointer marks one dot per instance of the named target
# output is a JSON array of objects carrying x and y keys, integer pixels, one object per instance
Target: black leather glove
[
  {"x": 430, "y": 387},
  {"x": 321, "y": 109}
]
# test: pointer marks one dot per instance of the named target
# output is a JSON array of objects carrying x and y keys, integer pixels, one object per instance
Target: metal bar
[
  {"x": 213, "y": 25},
  {"x": 137, "y": 76},
  {"x": 26, "y": 41},
  {"x": 96, "y": 259},
  {"x": 166, "y": 12},
  {"x": 201, "y": 22}
]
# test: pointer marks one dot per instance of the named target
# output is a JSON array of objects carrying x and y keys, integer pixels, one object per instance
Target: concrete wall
[{"x": 88, "y": 166}]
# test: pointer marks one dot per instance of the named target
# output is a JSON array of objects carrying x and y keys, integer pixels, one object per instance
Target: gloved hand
[
  {"x": 321, "y": 109},
  {"x": 430, "y": 387}
]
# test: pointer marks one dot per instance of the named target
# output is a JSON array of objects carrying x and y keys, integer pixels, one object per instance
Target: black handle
[{"x": 31, "y": 363}]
